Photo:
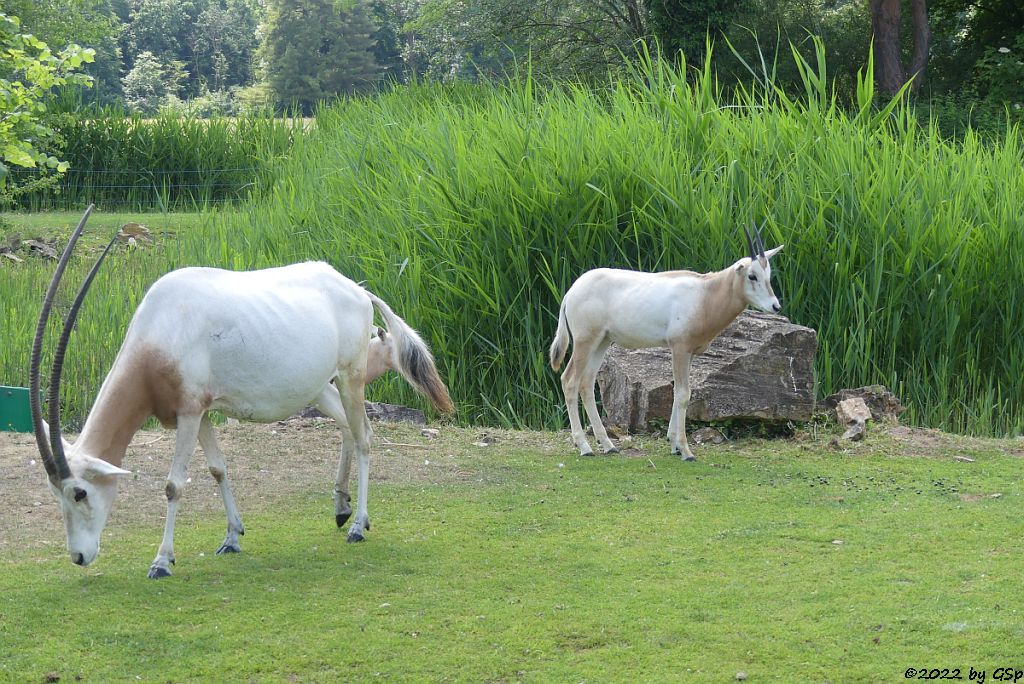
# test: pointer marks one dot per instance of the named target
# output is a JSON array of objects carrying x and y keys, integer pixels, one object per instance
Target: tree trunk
[
  {"x": 922, "y": 41},
  {"x": 885, "y": 25},
  {"x": 890, "y": 75}
]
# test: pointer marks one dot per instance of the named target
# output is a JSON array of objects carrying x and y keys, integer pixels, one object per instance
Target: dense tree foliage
[
  {"x": 317, "y": 48},
  {"x": 233, "y": 53},
  {"x": 29, "y": 71}
]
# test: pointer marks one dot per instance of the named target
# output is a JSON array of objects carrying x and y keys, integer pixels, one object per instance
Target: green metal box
[{"x": 15, "y": 415}]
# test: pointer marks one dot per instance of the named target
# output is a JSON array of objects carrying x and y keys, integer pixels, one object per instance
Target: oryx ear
[
  {"x": 96, "y": 467},
  {"x": 772, "y": 252},
  {"x": 382, "y": 334},
  {"x": 741, "y": 265}
]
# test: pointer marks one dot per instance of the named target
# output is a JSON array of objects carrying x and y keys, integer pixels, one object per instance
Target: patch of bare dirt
[
  {"x": 915, "y": 441},
  {"x": 266, "y": 463}
]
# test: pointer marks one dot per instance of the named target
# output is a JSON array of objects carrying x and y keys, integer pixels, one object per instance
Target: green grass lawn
[
  {"x": 785, "y": 560},
  {"x": 102, "y": 224}
]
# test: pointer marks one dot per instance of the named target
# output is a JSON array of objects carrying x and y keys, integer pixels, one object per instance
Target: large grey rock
[{"x": 760, "y": 368}]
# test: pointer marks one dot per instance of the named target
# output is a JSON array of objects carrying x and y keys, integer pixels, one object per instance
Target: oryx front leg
[
  {"x": 187, "y": 435},
  {"x": 680, "y": 401},
  {"x": 219, "y": 470}
]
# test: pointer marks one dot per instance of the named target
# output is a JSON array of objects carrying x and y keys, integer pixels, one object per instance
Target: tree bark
[
  {"x": 922, "y": 41},
  {"x": 885, "y": 25},
  {"x": 890, "y": 74}
]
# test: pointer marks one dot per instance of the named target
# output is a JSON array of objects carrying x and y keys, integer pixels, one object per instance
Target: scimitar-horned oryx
[
  {"x": 257, "y": 345},
  {"x": 680, "y": 310}
]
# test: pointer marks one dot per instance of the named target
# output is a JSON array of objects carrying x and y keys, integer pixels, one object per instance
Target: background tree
[
  {"x": 684, "y": 25},
  {"x": 29, "y": 73},
  {"x": 886, "y": 22},
  {"x": 92, "y": 23},
  {"x": 150, "y": 83},
  {"x": 224, "y": 44},
  {"x": 317, "y": 48}
]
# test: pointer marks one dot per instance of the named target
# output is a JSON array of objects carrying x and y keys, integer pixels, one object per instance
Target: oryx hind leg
[
  {"x": 594, "y": 361},
  {"x": 219, "y": 471},
  {"x": 329, "y": 403},
  {"x": 186, "y": 438},
  {"x": 571, "y": 383},
  {"x": 356, "y": 442}
]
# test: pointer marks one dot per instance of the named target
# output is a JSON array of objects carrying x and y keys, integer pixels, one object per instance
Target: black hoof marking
[
  {"x": 342, "y": 518},
  {"x": 354, "y": 537},
  {"x": 613, "y": 450},
  {"x": 157, "y": 572},
  {"x": 229, "y": 548},
  {"x": 689, "y": 458}
]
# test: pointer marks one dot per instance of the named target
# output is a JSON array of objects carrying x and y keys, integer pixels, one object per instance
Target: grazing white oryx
[
  {"x": 680, "y": 310},
  {"x": 258, "y": 345}
]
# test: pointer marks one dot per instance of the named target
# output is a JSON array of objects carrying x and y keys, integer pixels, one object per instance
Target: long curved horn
[
  {"x": 757, "y": 233},
  {"x": 56, "y": 470},
  {"x": 58, "y": 356},
  {"x": 750, "y": 242}
]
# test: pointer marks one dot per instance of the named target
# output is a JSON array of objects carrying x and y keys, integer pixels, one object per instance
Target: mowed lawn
[{"x": 785, "y": 560}]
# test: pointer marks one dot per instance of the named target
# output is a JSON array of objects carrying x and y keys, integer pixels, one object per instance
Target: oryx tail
[{"x": 413, "y": 358}]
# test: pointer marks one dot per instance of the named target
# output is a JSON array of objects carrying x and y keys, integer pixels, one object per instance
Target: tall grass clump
[
  {"x": 472, "y": 208},
  {"x": 168, "y": 162}
]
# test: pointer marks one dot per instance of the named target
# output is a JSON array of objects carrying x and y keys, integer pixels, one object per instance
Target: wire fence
[{"x": 163, "y": 189}]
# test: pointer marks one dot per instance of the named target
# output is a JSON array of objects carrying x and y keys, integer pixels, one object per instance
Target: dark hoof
[
  {"x": 613, "y": 450},
  {"x": 342, "y": 518},
  {"x": 229, "y": 548},
  {"x": 158, "y": 572},
  {"x": 691, "y": 457},
  {"x": 354, "y": 537},
  {"x": 586, "y": 454}
]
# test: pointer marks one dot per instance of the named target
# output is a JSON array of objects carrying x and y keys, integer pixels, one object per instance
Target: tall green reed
[
  {"x": 167, "y": 162},
  {"x": 472, "y": 208}
]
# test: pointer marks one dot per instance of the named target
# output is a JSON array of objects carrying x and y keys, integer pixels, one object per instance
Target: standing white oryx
[
  {"x": 258, "y": 345},
  {"x": 680, "y": 310}
]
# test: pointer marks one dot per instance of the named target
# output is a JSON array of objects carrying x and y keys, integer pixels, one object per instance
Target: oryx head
[
  {"x": 84, "y": 485},
  {"x": 756, "y": 272},
  {"x": 381, "y": 355}
]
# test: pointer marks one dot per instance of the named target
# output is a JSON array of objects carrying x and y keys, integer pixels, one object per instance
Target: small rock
[
  {"x": 837, "y": 542},
  {"x": 615, "y": 431},
  {"x": 854, "y": 433},
  {"x": 707, "y": 435},
  {"x": 963, "y": 459},
  {"x": 882, "y": 403},
  {"x": 431, "y": 433},
  {"x": 997, "y": 495},
  {"x": 740, "y": 676},
  {"x": 42, "y": 249},
  {"x": 854, "y": 414},
  {"x": 52, "y": 677}
]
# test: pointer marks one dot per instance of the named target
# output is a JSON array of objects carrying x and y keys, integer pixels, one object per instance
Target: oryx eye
[
  {"x": 79, "y": 493},
  {"x": 752, "y": 277}
]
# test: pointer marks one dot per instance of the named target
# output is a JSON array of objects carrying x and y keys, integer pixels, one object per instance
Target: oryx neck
[{"x": 113, "y": 420}]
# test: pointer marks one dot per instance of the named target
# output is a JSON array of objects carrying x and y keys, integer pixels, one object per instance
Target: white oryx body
[
  {"x": 681, "y": 310},
  {"x": 257, "y": 345}
]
